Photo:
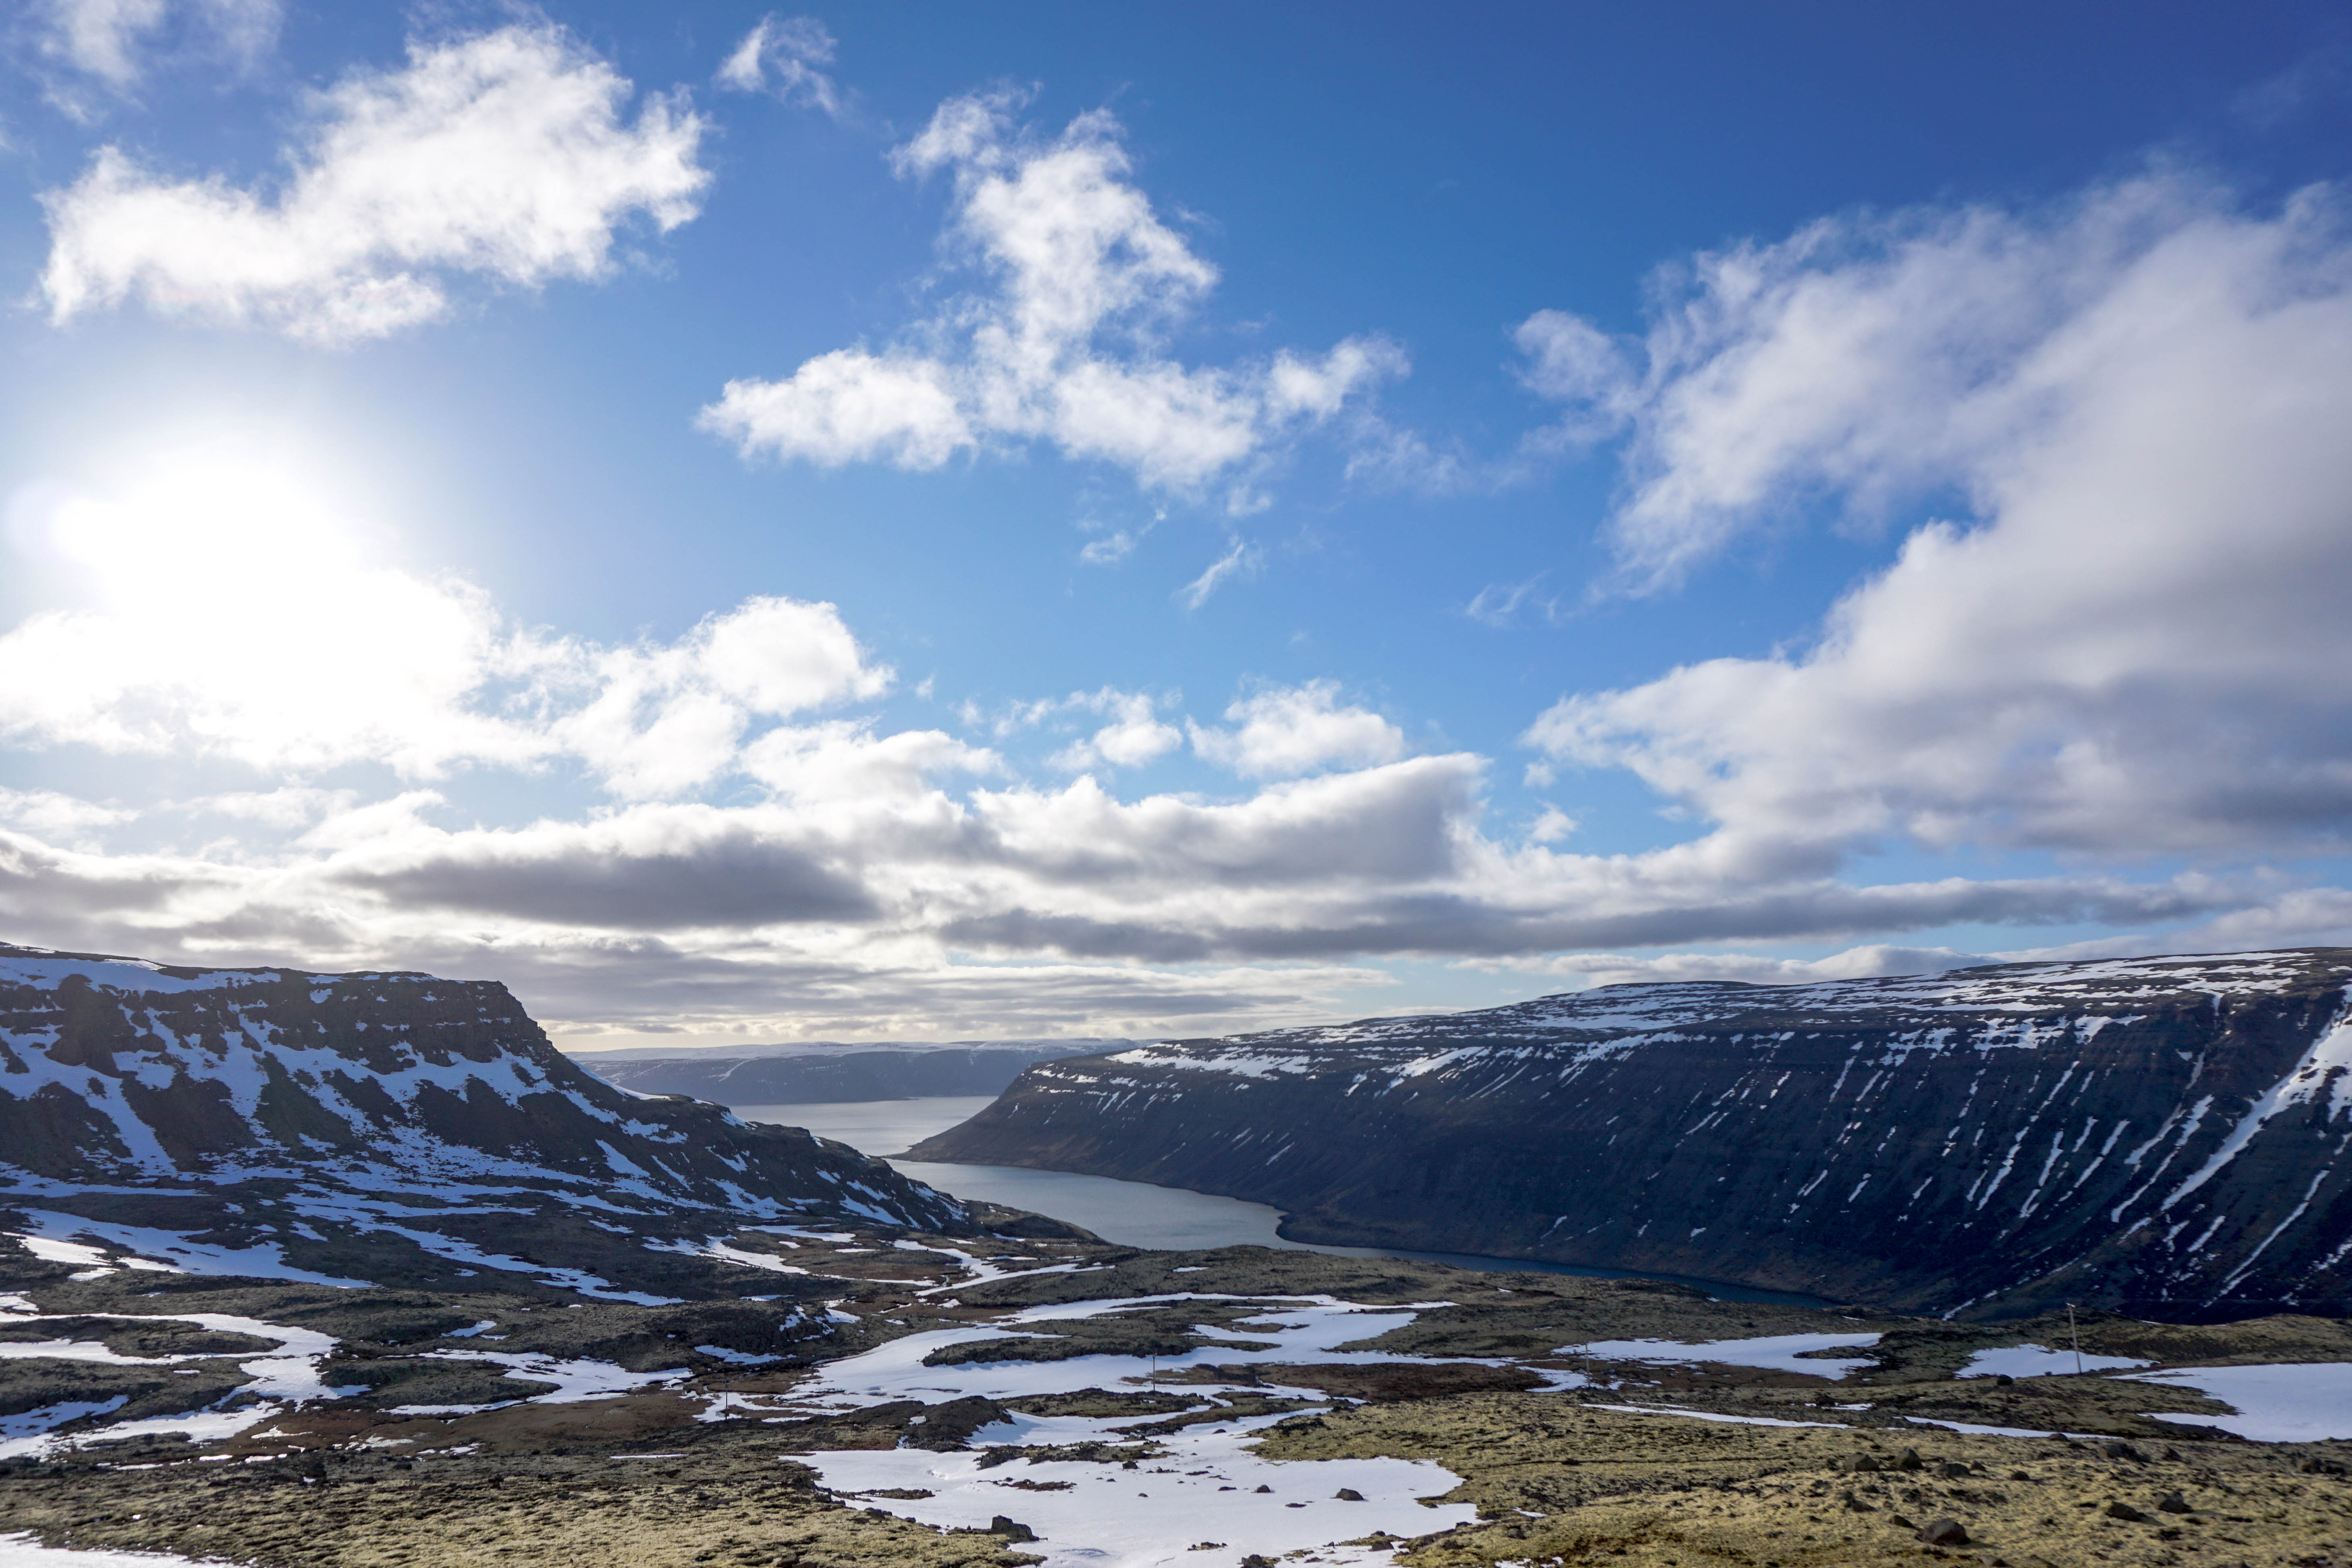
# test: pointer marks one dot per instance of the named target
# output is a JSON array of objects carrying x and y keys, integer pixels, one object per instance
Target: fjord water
[{"x": 1132, "y": 1214}]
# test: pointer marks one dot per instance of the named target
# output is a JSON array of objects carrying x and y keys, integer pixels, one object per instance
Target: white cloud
[
  {"x": 1870, "y": 962},
  {"x": 2137, "y": 648},
  {"x": 60, "y": 819},
  {"x": 1241, "y": 559},
  {"x": 287, "y": 807},
  {"x": 101, "y": 38},
  {"x": 849, "y": 406},
  {"x": 1110, "y": 549},
  {"x": 94, "y": 50},
  {"x": 1065, "y": 347},
  {"x": 1497, "y": 605},
  {"x": 782, "y": 54},
  {"x": 661, "y": 718},
  {"x": 1135, "y": 737},
  {"x": 1552, "y": 827},
  {"x": 502, "y": 155},
  {"x": 1285, "y": 731}
]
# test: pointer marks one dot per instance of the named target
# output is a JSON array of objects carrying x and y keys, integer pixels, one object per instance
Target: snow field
[
  {"x": 2040, "y": 1360},
  {"x": 1100, "y": 1515},
  {"x": 1771, "y": 1352},
  {"x": 20, "y": 1551},
  {"x": 2291, "y": 1404}
]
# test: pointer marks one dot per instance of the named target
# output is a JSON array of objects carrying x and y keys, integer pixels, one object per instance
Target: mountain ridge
[
  {"x": 340, "y": 1126},
  {"x": 2155, "y": 1134}
]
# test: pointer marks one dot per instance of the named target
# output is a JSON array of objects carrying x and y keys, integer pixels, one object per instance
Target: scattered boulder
[
  {"x": 1909, "y": 1459},
  {"x": 2126, "y": 1513},
  {"x": 1857, "y": 1463},
  {"x": 1944, "y": 1533},
  {"x": 1349, "y": 1494},
  {"x": 2171, "y": 1502},
  {"x": 2123, "y": 1451},
  {"x": 1011, "y": 1530}
]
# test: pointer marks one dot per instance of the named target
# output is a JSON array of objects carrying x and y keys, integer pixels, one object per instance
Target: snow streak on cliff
[
  {"x": 2169, "y": 1134},
  {"x": 335, "y": 1126}
]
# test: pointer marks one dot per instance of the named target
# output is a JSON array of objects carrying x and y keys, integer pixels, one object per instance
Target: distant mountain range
[
  {"x": 381, "y": 1127},
  {"x": 2165, "y": 1136},
  {"x": 830, "y": 1072}
]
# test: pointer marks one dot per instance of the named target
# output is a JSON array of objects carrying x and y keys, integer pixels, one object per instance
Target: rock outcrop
[
  {"x": 2164, "y": 1136},
  {"x": 384, "y": 1127}
]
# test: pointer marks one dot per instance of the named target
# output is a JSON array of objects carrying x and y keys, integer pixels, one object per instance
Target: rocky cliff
[
  {"x": 2166, "y": 1136},
  {"x": 380, "y": 1127}
]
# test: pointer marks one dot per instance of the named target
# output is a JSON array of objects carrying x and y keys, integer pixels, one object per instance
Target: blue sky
[{"x": 928, "y": 520}]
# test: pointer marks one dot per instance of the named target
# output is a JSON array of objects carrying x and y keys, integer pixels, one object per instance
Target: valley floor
[{"x": 1078, "y": 1405}]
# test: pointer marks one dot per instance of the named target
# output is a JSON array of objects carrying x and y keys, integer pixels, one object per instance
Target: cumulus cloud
[
  {"x": 504, "y": 155},
  {"x": 1134, "y": 736},
  {"x": 1064, "y": 343},
  {"x": 2134, "y": 645},
  {"x": 1285, "y": 730},
  {"x": 782, "y": 56}
]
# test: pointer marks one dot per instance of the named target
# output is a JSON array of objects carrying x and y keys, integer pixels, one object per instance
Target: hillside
[
  {"x": 384, "y": 1127},
  {"x": 2164, "y": 1136}
]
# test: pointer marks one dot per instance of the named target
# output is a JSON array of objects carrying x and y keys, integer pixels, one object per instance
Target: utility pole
[{"x": 2075, "y": 1335}]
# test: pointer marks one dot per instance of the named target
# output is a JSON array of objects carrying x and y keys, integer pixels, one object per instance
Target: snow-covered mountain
[
  {"x": 2160, "y": 1135},
  {"x": 384, "y": 1127}
]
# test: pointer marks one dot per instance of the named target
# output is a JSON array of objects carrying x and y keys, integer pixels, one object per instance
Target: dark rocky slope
[
  {"x": 384, "y": 1127},
  {"x": 816, "y": 1075},
  {"x": 2166, "y": 1136}
]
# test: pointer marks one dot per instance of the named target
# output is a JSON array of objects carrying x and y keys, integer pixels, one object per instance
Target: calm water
[{"x": 1132, "y": 1214}]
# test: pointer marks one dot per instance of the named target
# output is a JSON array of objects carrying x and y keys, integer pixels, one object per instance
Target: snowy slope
[
  {"x": 272, "y": 1121},
  {"x": 2155, "y": 1132}
]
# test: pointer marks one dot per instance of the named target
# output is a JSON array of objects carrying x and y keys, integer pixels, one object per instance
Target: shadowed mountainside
[{"x": 2165, "y": 1136}]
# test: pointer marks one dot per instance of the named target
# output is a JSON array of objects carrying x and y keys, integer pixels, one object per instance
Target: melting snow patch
[
  {"x": 21, "y": 1551},
  {"x": 2293, "y": 1403},
  {"x": 1774, "y": 1352},
  {"x": 1109, "y": 1517},
  {"x": 2039, "y": 1360},
  {"x": 575, "y": 1381},
  {"x": 1706, "y": 1415}
]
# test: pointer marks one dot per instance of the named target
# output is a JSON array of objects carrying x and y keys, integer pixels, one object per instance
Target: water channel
[{"x": 1132, "y": 1214}]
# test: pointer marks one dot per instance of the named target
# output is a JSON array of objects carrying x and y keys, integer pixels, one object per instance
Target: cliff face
[
  {"x": 2166, "y": 1136},
  {"x": 343, "y": 1126}
]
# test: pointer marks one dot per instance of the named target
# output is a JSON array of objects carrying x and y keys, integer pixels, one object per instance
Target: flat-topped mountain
[
  {"x": 378, "y": 1126},
  {"x": 2166, "y": 1136},
  {"x": 830, "y": 1073}
]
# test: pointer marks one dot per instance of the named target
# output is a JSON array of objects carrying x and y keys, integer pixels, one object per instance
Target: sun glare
[
  {"x": 233, "y": 599},
  {"x": 227, "y": 526}
]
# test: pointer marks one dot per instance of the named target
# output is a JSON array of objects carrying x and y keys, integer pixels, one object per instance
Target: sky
[{"x": 927, "y": 521}]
